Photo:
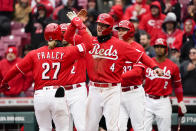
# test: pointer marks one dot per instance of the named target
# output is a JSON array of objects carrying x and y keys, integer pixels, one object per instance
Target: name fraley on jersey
[
  {"x": 152, "y": 75},
  {"x": 98, "y": 52},
  {"x": 50, "y": 55}
]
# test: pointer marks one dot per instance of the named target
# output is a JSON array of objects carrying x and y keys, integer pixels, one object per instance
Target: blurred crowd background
[{"x": 22, "y": 24}]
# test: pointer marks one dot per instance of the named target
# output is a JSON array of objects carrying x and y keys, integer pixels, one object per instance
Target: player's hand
[
  {"x": 159, "y": 72},
  {"x": 78, "y": 23},
  {"x": 181, "y": 109},
  {"x": 4, "y": 87},
  {"x": 71, "y": 15},
  {"x": 190, "y": 67},
  {"x": 82, "y": 15}
]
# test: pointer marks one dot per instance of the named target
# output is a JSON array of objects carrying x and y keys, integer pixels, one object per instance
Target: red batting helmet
[
  {"x": 52, "y": 32},
  {"x": 161, "y": 41},
  {"x": 64, "y": 27},
  {"x": 128, "y": 25},
  {"x": 108, "y": 20}
]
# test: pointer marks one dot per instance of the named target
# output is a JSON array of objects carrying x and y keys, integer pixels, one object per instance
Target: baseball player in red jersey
[
  {"x": 51, "y": 66},
  {"x": 158, "y": 89},
  {"x": 104, "y": 67},
  {"x": 76, "y": 97},
  {"x": 132, "y": 100}
]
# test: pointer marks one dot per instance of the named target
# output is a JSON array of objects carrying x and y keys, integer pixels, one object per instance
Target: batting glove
[
  {"x": 181, "y": 109},
  {"x": 78, "y": 23},
  {"x": 71, "y": 15}
]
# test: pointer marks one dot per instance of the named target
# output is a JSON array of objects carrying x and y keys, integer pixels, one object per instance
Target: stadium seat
[
  {"x": 25, "y": 37},
  {"x": 16, "y": 25},
  {"x": 12, "y": 40}
]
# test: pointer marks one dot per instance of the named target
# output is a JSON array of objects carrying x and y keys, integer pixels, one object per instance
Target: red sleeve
[
  {"x": 74, "y": 52},
  {"x": 87, "y": 39},
  {"x": 178, "y": 91},
  {"x": 135, "y": 72},
  {"x": 26, "y": 64},
  {"x": 77, "y": 39},
  {"x": 10, "y": 74},
  {"x": 136, "y": 55},
  {"x": 146, "y": 60},
  {"x": 177, "y": 84},
  {"x": 69, "y": 34}
]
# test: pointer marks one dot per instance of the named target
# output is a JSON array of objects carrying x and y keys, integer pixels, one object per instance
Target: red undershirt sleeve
[
  {"x": 178, "y": 91},
  {"x": 146, "y": 60}
]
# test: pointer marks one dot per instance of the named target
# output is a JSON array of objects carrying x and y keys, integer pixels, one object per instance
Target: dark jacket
[{"x": 188, "y": 79}]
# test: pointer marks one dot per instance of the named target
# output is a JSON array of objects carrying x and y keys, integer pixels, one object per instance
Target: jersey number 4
[{"x": 47, "y": 68}]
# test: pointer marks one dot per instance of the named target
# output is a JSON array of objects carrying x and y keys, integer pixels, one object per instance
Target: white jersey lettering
[
  {"x": 50, "y": 55},
  {"x": 110, "y": 53}
]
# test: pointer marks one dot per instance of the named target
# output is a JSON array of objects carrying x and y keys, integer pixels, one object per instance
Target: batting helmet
[
  {"x": 52, "y": 32},
  {"x": 63, "y": 27},
  {"x": 128, "y": 25},
  {"x": 108, "y": 20},
  {"x": 161, "y": 41}
]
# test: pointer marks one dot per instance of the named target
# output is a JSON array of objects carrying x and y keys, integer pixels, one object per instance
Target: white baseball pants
[
  {"x": 76, "y": 101},
  {"x": 48, "y": 107},
  {"x": 103, "y": 101},
  {"x": 159, "y": 110},
  {"x": 132, "y": 106}
]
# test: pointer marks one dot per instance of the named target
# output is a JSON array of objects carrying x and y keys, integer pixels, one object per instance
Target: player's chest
[
  {"x": 105, "y": 51},
  {"x": 166, "y": 70}
]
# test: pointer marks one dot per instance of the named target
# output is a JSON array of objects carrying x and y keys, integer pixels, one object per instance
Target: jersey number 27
[{"x": 47, "y": 68}]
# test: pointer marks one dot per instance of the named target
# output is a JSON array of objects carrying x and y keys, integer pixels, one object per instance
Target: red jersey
[
  {"x": 130, "y": 65},
  {"x": 106, "y": 60},
  {"x": 161, "y": 86},
  {"x": 78, "y": 71},
  {"x": 51, "y": 66}
]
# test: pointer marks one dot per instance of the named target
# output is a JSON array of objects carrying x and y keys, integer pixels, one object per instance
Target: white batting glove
[
  {"x": 182, "y": 107},
  {"x": 71, "y": 15}
]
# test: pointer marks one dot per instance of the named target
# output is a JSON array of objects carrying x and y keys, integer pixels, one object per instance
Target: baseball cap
[{"x": 12, "y": 50}]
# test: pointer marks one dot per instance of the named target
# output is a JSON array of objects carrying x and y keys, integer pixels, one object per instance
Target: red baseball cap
[{"x": 11, "y": 50}]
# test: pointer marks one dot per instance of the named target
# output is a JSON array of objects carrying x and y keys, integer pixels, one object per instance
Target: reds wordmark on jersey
[
  {"x": 162, "y": 85},
  {"x": 105, "y": 61}
]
